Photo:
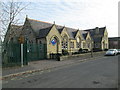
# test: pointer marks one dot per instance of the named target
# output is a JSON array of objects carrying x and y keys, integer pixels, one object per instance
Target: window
[
  {"x": 78, "y": 43},
  {"x": 72, "y": 45},
  {"x": 106, "y": 46},
  {"x": 64, "y": 45},
  {"x": 97, "y": 45},
  {"x": 84, "y": 45},
  {"x": 65, "y": 42},
  {"x": 106, "y": 37},
  {"x": 88, "y": 45}
]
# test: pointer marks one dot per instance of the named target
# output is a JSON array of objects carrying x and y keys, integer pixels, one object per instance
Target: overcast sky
[{"x": 82, "y": 14}]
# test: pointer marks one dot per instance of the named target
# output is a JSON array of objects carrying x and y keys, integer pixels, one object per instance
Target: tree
[{"x": 8, "y": 16}]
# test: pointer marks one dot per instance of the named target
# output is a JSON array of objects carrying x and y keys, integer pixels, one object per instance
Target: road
[{"x": 96, "y": 73}]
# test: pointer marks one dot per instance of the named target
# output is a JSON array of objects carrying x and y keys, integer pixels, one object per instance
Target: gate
[{"x": 36, "y": 51}]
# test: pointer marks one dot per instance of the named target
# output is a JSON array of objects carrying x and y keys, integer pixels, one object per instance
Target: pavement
[{"x": 36, "y": 66}]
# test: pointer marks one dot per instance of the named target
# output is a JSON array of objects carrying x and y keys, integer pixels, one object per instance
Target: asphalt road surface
[{"x": 96, "y": 73}]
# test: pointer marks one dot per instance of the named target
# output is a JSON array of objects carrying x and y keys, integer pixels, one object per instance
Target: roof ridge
[
  {"x": 16, "y": 25},
  {"x": 102, "y": 27},
  {"x": 71, "y": 28},
  {"x": 59, "y": 25},
  {"x": 45, "y": 22},
  {"x": 40, "y": 21},
  {"x": 50, "y": 23}
]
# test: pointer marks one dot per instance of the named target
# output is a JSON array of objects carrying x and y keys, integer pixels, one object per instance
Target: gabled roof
[
  {"x": 102, "y": 30},
  {"x": 43, "y": 32},
  {"x": 13, "y": 31},
  {"x": 98, "y": 39},
  {"x": 16, "y": 29},
  {"x": 93, "y": 33},
  {"x": 60, "y": 28},
  {"x": 42, "y": 28},
  {"x": 40, "y": 25},
  {"x": 71, "y": 32},
  {"x": 84, "y": 34}
]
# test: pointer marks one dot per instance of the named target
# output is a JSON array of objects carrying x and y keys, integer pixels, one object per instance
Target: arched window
[
  {"x": 71, "y": 44},
  {"x": 78, "y": 43},
  {"x": 65, "y": 42},
  {"x": 89, "y": 43}
]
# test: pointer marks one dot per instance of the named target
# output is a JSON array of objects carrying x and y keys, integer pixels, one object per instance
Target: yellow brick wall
[
  {"x": 72, "y": 49},
  {"x": 88, "y": 40},
  {"x": 105, "y": 40},
  {"x": 64, "y": 32},
  {"x": 53, "y": 48},
  {"x": 78, "y": 35},
  {"x": 58, "y": 47}
]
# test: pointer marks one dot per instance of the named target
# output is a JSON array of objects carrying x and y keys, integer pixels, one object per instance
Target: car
[
  {"x": 112, "y": 52},
  {"x": 118, "y": 51}
]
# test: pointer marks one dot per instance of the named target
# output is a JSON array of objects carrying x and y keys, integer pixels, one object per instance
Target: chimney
[
  {"x": 54, "y": 22},
  {"x": 97, "y": 30},
  {"x": 26, "y": 16}
]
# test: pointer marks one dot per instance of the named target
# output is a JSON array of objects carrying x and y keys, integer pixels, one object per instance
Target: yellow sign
[{"x": 21, "y": 39}]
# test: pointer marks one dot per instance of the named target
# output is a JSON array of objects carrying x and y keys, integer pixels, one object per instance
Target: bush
[
  {"x": 65, "y": 52},
  {"x": 105, "y": 49}
]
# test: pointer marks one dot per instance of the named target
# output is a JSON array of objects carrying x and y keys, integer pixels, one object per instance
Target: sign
[
  {"x": 21, "y": 39},
  {"x": 53, "y": 41}
]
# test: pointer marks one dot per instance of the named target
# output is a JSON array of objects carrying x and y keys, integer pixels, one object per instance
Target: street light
[{"x": 21, "y": 41}]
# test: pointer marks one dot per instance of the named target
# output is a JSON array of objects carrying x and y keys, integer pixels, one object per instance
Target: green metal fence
[
  {"x": 36, "y": 51},
  {"x": 11, "y": 53}
]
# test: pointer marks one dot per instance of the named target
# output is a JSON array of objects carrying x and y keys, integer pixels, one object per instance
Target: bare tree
[{"x": 9, "y": 12}]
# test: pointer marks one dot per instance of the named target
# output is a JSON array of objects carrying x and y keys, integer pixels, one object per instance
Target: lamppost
[{"x": 21, "y": 41}]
